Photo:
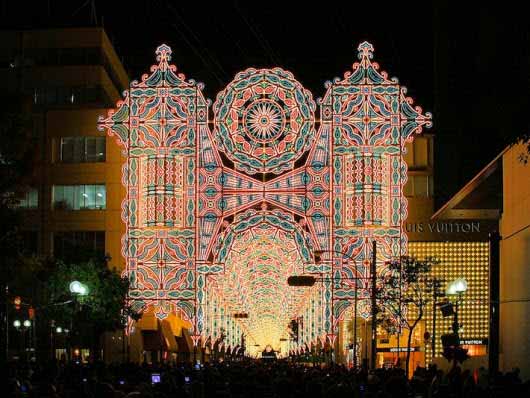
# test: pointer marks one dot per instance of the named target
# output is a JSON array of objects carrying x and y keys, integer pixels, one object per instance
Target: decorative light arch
[{"x": 268, "y": 168}]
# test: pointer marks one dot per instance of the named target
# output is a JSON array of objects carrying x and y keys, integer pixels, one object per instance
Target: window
[
  {"x": 82, "y": 149},
  {"x": 29, "y": 200},
  {"x": 63, "y": 56},
  {"x": 420, "y": 186},
  {"x": 421, "y": 152},
  {"x": 78, "y": 245},
  {"x": 79, "y": 197},
  {"x": 418, "y": 154},
  {"x": 67, "y": 96}
]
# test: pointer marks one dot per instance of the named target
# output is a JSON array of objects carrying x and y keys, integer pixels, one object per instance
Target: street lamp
[
  {"x": 77, "y": 289},
  {"x": 456, "y": 288},
  {"x": 21, "y": 328}
]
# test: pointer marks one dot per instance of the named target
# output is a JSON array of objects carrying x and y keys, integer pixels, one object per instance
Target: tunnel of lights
[{"x": 225, "y": 201}]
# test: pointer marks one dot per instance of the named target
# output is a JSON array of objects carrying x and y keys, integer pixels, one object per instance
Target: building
[
  {"x": 71, "y": 76},
  {"x": 500, "y": 194}
]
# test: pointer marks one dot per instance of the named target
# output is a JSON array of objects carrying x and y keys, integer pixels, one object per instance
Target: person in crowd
[{"x": 250, "y": 378}]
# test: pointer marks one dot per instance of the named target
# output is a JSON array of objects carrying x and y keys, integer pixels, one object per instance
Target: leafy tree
[
  {"x": 45, "y": 284},
  {"x": 408, "y": 290},
  {"x": 103, "y": 309},
  {"x": 17, "y": 150}
]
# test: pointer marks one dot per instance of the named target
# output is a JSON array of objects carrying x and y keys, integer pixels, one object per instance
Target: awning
[
  {"x": 148, "y": 321},
  {"x": 169, "y": 337},
  {"x": 177, "y": 324},
  {"x": 480, "y": 199},
  {"x": 184, "y": 342}
]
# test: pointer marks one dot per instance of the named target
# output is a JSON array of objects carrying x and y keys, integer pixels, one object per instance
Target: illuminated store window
[
  {"x": 79, "y": 197},
  {"x": 468, "y": 260},
  {"x": 29, "y": 199},
  {"x": 82, "y": 149},
  {"x": 74, "y": 245}
]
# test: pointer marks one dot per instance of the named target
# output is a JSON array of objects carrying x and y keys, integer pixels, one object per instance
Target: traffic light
[
  {"x": 447, "y": 309},
  {"x": 18, "y": 302},
  {"x": 240, "y": 315}
]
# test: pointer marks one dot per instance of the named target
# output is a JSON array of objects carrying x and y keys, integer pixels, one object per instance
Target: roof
[{"x": 480, "y": 198}]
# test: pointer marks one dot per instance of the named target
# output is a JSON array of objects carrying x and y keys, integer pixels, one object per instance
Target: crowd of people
[{"x": 251, "y": 378}]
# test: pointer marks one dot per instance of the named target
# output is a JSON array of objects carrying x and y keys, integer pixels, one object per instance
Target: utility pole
[
  {"x": 373, "y": 271},
  {"x": 436, "y": 283}
]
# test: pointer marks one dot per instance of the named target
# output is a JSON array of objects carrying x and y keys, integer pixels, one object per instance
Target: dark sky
[{"x": 469, "y": 66}]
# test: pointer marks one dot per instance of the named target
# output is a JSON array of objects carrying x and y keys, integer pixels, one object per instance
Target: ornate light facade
[{"x": 223, "y": 206}]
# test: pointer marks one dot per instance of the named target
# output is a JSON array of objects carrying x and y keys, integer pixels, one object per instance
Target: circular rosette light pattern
[{"x": 264, "y": 121}]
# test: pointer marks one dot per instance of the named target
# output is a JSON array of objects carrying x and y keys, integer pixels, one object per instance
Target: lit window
[
  {"x": 421, "y": 186},
  {"x": 82, "y": 149},
  {"x": 79, "y": 197},
  {"x": 29, "y": 200}
]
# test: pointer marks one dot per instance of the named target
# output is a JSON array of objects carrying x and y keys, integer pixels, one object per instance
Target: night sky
[{"x": 469, "y": 66}]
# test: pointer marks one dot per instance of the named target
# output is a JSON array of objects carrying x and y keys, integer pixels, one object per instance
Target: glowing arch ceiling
[{"x": 254, "y": 282}]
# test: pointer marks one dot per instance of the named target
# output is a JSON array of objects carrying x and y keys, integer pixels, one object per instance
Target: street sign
[{"x": 301, "y": 280}]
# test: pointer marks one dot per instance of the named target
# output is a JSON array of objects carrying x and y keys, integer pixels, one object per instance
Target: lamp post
[
  {"x": 77, "y": 289},
  {"x": 436, "y": 284},
  {"x": 22, "y": 327},
  {"x": 456, "y": 288}
]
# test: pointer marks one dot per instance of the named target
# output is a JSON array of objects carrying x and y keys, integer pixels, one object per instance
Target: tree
[
  {"x": 17, "y": 150},
  {"x": 45, "y": 285},
  {"x": 103, "y": 309},
  {"x": 408, "y": 290}
]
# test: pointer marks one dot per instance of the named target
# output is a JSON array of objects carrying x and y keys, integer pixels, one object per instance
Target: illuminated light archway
[
  {"x": 203, "y": 204},
  {"x": 264, "y": 247}
]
